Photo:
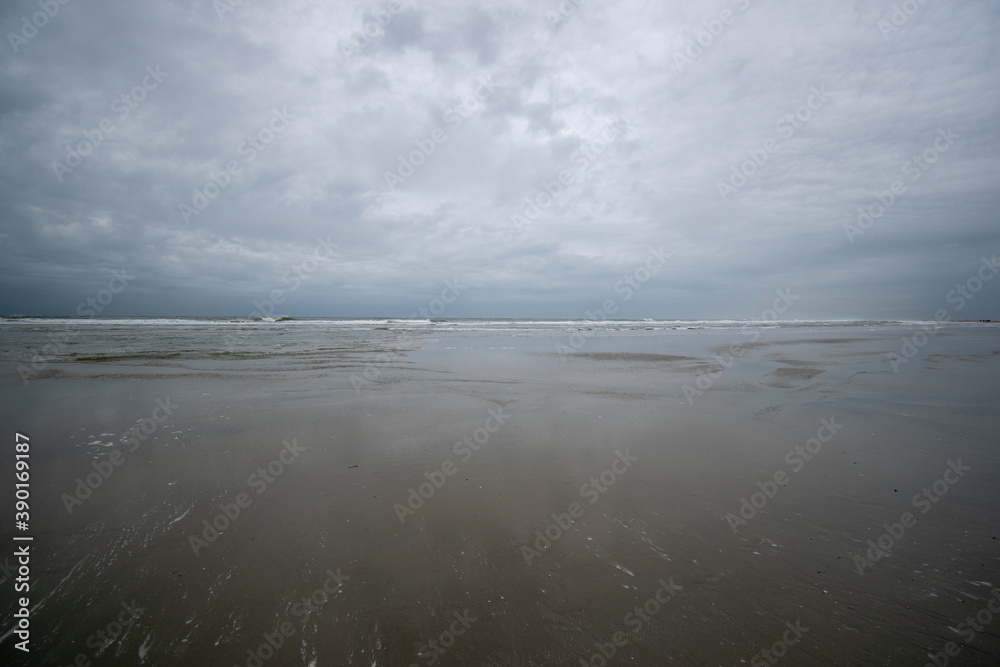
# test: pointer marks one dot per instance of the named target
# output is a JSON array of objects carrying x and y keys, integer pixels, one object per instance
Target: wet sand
[{"x": 485, "y": 500}]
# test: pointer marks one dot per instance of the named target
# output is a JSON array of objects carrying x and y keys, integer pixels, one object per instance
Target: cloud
[{"x": 695, "y": 90}]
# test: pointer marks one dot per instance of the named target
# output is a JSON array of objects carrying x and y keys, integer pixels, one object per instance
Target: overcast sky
[{"x": 113, "y": 114}]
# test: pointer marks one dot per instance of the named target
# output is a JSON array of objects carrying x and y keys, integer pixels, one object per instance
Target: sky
[{"x": 500, "y": 159}]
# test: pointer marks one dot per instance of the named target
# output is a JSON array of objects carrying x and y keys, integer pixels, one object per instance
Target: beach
[{"x": 384, "y": 492}]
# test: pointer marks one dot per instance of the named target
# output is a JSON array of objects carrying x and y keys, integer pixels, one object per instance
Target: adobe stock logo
[
  {"x": 779, "y": 649},
  {"x": 259, "y": 481},
  {"x": 900, "y": 16},
  {"x": 635, "y": 620},
  {"x": 592, "y": 490},
  {"x": 912, "y": 169},
  {"x": 769, "y": 488},
  {"x": 104, "y": 468},
  {"x": 786, "y": 127},
  {"x": 629, "y": 284},
  {"x": 123, "y": 105},
  {"x": 709, "y": 32},
  {"x": 881, "y": 547},
  {"x": 249, "y": 148},
  {"x": 38, "y": 21},
  {"x": 408, "y": 164},
  {"x": 435, "y": 648},
  {"x": 959, "y": 296},
  {"x": 436, "y": 479},
  {"x": 582, "y": 159}
]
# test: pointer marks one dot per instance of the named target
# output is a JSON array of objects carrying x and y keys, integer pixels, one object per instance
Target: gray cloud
[{"x": 556, "y": 84}]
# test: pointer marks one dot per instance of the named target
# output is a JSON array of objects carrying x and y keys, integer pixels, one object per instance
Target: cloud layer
[{"x": 358, "y": 157}]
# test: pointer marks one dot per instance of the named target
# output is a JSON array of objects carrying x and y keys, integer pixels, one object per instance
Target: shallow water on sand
[{"x": 501, "y": 495}]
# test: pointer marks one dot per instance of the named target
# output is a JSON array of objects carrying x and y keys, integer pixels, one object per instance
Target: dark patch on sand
[
  {"x": 129, "y": 357},
  {"x": 631, "y": 357},
  {"x": 797, "y": 373},
  {"x": 935, "y": 358},
  {"x": 802, "y": 341},
  {"x": 788, "y": 378},
  {"x": 769, "y": 411},
  {"x": 855, "y": 353},
  {"x": 621, "y": 395},
  {"x": 823, "y": 341},
  {"x": 860, "y": 375},
  {"x": 788, "y": 361},
  {"x": 705, "y": 368},
  {"x": 729, "y": 386}
]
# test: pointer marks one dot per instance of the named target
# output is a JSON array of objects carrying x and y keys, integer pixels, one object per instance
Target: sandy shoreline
[{"x": 550, "y": 506}]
